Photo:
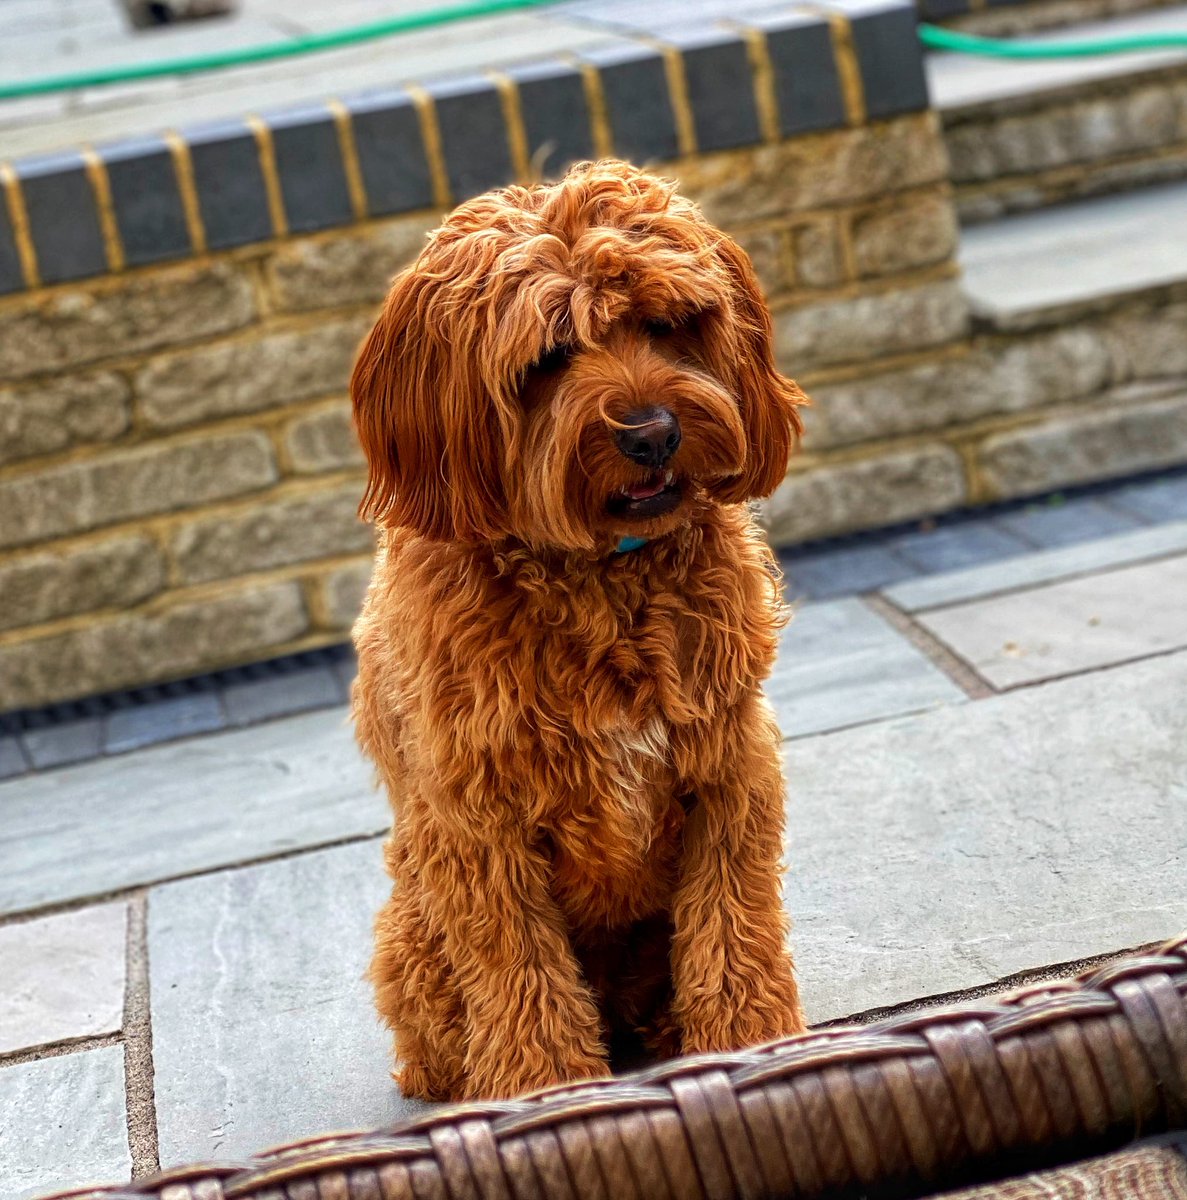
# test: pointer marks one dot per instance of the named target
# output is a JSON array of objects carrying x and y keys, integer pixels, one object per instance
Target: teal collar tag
[{"x": 629, "y": 543}]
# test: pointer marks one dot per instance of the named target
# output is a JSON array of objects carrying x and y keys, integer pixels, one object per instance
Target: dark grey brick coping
[
  {"x": 670, "y": 88},
  {"x": 76, "y": 731}
]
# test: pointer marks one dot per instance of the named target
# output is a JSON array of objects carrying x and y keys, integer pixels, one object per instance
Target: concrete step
[
  {"x": 1059, "y": 264},
  {"x": 1080, "y": 309},
  {"x": 1024, "y": 134},
  {"x": 1007, "y": 18}
]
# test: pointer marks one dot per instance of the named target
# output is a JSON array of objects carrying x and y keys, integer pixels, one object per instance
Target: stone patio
[{"x": 988, "y": 779}]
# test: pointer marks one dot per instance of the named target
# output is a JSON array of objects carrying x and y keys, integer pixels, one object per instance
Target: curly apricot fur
[{"x": 585, "y": 778}]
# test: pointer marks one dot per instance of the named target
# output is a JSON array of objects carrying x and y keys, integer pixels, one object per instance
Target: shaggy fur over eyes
[{"x": 584, "y": 774}]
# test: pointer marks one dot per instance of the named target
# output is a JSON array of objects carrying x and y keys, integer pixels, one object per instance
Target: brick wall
[
  {"x": 1102, "y": 136},
  {"x": 178, "y": 477}
]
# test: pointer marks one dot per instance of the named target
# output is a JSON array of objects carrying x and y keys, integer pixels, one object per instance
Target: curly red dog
[{"x": 565, "y": 405}]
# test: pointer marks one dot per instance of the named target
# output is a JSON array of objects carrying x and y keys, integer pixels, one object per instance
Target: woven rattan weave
[
  {"x": 905, "y": 1106},
  {"x": 1142, "y": 1172}
]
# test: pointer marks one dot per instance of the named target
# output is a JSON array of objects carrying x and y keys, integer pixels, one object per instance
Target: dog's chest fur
[
  {"x": 595, "y": 699},
  {"x": 615, "y": 836}
]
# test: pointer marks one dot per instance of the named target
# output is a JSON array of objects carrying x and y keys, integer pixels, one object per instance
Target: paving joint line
[
  {"x": 59, "y": 1049},
  {"x": 1116, "y": 665},
  {"x": 1034, "y": 585},
  {"x": 939, "y": 655},
  {"x": 139, "y": 1088},
  {"x": 1053, "y": 973},
  {"x": 132, "y": 890}
]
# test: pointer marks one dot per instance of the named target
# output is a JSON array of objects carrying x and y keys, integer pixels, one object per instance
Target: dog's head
[{"x": 570, "y": 365}]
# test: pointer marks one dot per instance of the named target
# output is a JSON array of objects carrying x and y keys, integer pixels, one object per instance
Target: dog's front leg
[
  {"x": 731, "y": 969},
  {"x": 531, "y": 1020}
]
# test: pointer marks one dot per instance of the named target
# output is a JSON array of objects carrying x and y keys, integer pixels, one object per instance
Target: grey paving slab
[
  {"x": 346, "y": 669},
  {"x": 12, "y": 757},
  {"x": 250, "y": 700},
  {"x": 840, "y": 664},
  {"x": 928, "y": 854},
  {"x": 844, "y": 570},
  {"x": 951, "y": 547},
  {"x": 59, "y": 745},
  {"x": 63, "y": 1123},
  {"x": 263, "y": 1027},
  {"x": 1162, "y": 499},
  {"x": 1077, "y": 625},
  {"x": 951, "y": 849},
  {"x": 184, "y": 807},
  {"x": 1065, "y": 523},
  {"x": 161, "y": 720},
  {"x": 1045, "y": 566},
  {"x": 63, "y": 977},
  {"x": 1020, "y": 269},
  {"x": 959, "y": 81}
]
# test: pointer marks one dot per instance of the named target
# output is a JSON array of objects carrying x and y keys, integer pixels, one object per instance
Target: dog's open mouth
[{"x": 654, "y": 496}]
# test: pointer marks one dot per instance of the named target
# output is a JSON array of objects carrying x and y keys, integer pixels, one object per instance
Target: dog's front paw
[
  {"x": 516, "y": 1073},
  {"x": 734, "y": 1019},
  {"x": 418, "y": 1081}
]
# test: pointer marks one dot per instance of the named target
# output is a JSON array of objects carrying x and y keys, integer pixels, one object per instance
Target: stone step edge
[
  {"x": 1088, "y": 299},
  {"x": 1140, "y": 67},
  {"x": 150, "y": 199}
]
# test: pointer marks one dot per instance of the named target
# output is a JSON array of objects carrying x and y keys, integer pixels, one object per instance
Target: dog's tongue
[{"x": 644, "y": 491}]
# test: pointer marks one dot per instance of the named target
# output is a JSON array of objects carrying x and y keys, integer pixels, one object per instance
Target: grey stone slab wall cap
[
  {"x": 12, "y": 275},
  {"x": 474, "y": 139},
  {"x": 720, "y": 85},
  {"x": 638, "y": 105},
  {"x": 804, "y": 71},
  {"x": 232, "y": 197},
  {"x": 310, "y": 167},
  {"x": 146, "y": 198},
  {"x": 63, "y": 216},
  {"x": 391, "y": 151},
  {"x": 886, "y": 43},
  {"x": 556, "y": 116},
  {"x": 700, "y": 86}
]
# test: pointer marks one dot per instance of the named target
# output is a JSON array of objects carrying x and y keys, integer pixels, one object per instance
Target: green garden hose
[
  {"x": 932, "y": 36},
  {"x": 335, "y": 40},
  {"x": 936, "y": 38}
]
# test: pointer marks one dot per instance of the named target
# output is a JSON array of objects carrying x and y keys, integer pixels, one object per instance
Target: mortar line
[
  {"x": 138, "y": 1051},
  {"x": 132, "y": 890},
  {"x": 952, "y": 665},
  {"x": 1095, "y": 669},
  {"x": 1036, "y": 585},
  {"x": 1053, "y": 973},
  {"x": 58, "y": 1049}
]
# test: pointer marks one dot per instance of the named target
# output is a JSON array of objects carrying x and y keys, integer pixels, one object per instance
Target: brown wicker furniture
[
  {"x": 907, "y": 1106},
  {"x": 1147, "y": 1171}
]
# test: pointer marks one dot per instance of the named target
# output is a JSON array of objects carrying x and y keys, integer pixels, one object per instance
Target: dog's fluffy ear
[
  {"x": 422, "y": 417},
  {"x": 768, "y": 401}
]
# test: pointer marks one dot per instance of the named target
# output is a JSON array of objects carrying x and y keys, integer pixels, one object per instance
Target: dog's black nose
[{"x": 653, "y": 436}]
